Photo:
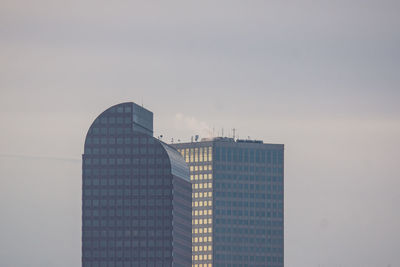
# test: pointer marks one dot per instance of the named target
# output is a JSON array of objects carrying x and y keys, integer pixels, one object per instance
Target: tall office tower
[
  {"x": 237, "y": 202},
  {"x": 136, "y": 208}
]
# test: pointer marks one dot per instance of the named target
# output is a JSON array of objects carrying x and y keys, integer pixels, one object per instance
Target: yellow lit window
[
  {"x": 196, "y": 230},
  {"x": 200, "y": 194},
  {"x": 201, "y": 258},
  {"x": 196, "y": 195},
  {"x": 200, "y": 239},
  {"x": 200, "y": 168},
  {"x": 209, "y": 221},
  {"x": 200, "y": 177},
  {"x": 210, "y": 194},
  {"x": 209, "y": 212},
  {"x": 196, "y": 186},
  {"x": 205, "y": 203},
  {"x": 210, "y": 203},
  {"x": 196, "y": 168},
  {"x": 200, "y": 212},
  {"x": 196, "y": 177},
  {"x": 200, "y": 203},
  {"x": 210, "y": 154},
  {"x": 205, "y": 167},
  {"x": 191, "y": 155},
  {"x": 196, "y": 159},
  {"x": 200, "y": 186},
  {"x": 201, "y": 230},
  {"x": 209, "y": 247},
  {"x": 209, "y": 167},
  {"x": 205, "y": 230},
  {"x": 210, "y": 258},
  {"x": 205, "y": 185},
  {"x": 201, "y": 154},
  {"x": 196, "y": 212},
  {"x": 209, "y": 229}
]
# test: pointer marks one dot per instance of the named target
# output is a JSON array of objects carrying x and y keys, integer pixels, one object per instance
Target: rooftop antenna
[
  {"x": 196, "y": 137},
  {"x": 222, "y": 132},
  {"x": 233, "y": 130}
]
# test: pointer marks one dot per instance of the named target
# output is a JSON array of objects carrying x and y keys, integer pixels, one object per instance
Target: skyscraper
[
  {"x": 237, "y": 202},
  {"x": 136, "y": 208}
]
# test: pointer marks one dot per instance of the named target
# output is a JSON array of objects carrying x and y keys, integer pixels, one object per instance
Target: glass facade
[
  {"x": 199, "y": 159},
  {"x": 136, "y": 208},
  {"x": 244, "y": 202}
]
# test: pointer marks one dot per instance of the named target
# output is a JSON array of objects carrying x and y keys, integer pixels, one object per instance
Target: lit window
[{"x": 191, "y": 155}]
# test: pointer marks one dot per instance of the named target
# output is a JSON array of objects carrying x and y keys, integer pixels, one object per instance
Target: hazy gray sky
[{"x": 322, "y": 77}]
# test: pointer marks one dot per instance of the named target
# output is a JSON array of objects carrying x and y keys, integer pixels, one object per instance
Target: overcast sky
[{"x": 321, "y": 77}]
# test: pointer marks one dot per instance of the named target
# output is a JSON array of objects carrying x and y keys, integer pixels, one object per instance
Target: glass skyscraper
[
  {"x": 237, "y": 201},
  {"x": 136, "y": 201}
]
